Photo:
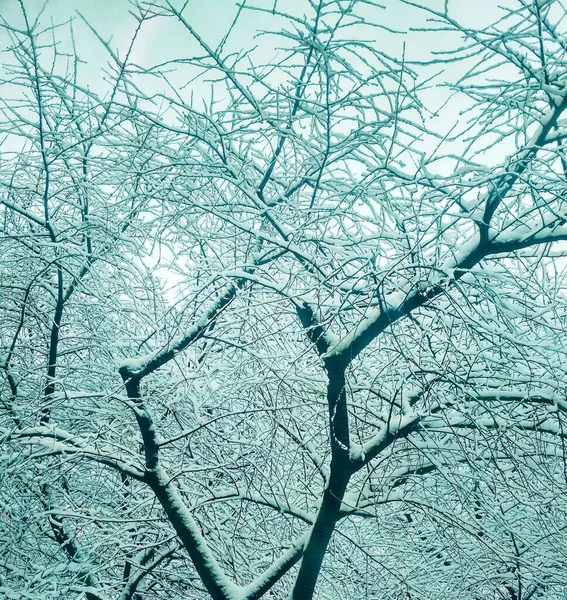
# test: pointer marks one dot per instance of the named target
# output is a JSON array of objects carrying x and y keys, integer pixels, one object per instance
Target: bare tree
[{"x": 295, "y": 335}]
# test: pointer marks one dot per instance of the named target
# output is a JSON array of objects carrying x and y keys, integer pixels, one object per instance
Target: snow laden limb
[
  {"x": 215, "y": 580},
  {"x": 137, "y": 368},
  {"x": 282, "y": 506},
  {"x": 451, "y": 424},
  {"x": 25, "y": 213},
  {"x": 56, "y": 442},
  {"x": 70, "y": 545},
  {"x": 188, "y": 531},
  {"x": 144, "y": 565},
  {"x": 547, "y": 397},
  {"x": 313, "y": 327},
  {"x": 178, "y": 514},
  {"x": 526, "y": 237},
  {"x": 486, "y": 242},
  {"x": 403, "y": 425},
  {"x": 276, "y": 571},
  {"x": 398, "y": 427}
]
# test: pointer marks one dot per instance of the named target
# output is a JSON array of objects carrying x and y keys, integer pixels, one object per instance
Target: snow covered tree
[{"x": 285, "y": 320}]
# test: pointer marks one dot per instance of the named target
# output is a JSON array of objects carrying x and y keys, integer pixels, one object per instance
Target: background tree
[{"x": 296, "y": 338}]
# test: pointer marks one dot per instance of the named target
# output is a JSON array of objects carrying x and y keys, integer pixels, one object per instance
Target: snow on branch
[{"x": 141, "y": 366}]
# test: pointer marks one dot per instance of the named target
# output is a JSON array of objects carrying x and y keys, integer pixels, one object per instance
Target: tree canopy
[{"x": 285, "y": 320}]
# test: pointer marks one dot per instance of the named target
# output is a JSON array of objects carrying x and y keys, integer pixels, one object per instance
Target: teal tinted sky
[
  {"x": 212, "y": 19},
  {"x": 162, "y": 40}
]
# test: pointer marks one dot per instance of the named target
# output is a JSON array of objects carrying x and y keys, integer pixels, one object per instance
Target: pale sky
[
  {"x": 212, "y": 18},
  {"x": 165, "y": 39}
]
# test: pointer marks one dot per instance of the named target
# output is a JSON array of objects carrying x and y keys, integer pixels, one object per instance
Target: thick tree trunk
[
  {"x": 321, "y": 532},
  {"x": 214, "y": 579},
  {"x": 340, "y": 472}
]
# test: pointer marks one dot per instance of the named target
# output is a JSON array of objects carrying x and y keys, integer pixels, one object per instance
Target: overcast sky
[
  {"x": 165, "y": 39},
  {"x": 212, "y": 18}
]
